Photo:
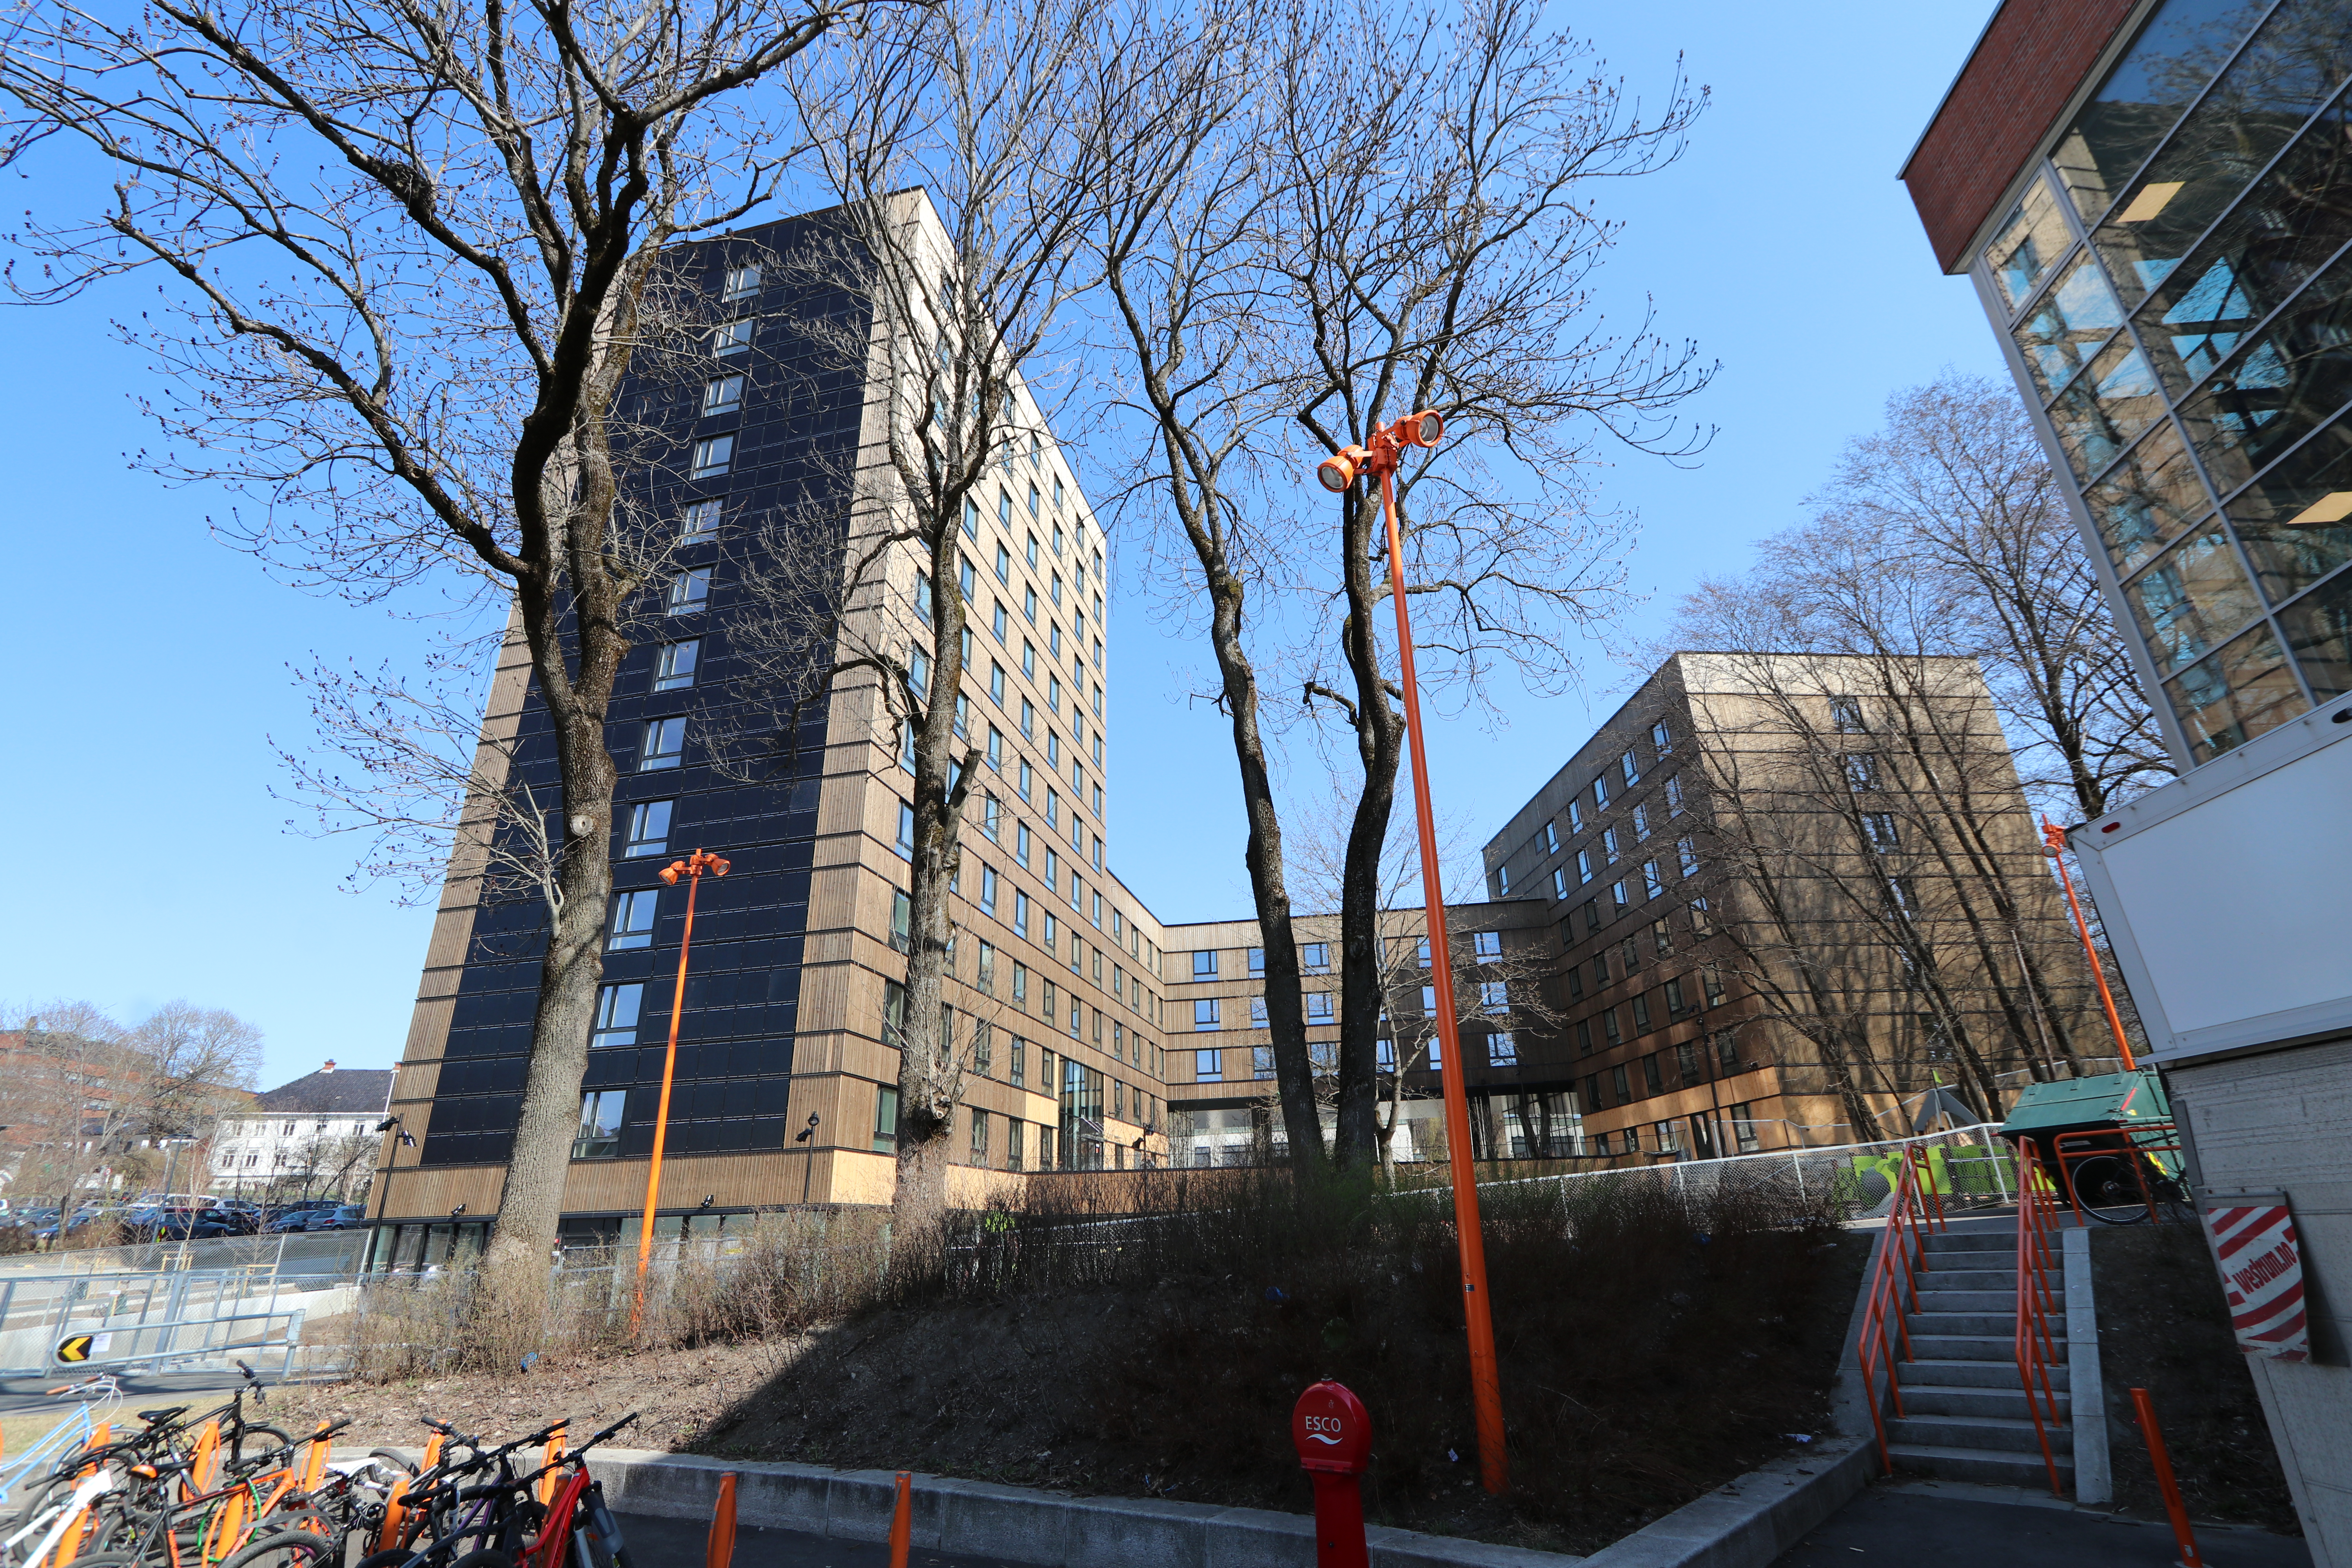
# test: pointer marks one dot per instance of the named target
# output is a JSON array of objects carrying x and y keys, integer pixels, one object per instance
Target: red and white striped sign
[{"x": 2262, "y": 1269}]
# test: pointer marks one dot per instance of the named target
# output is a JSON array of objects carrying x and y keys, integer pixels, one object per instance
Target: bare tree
[
  {"x": 1951, "y": 514},
  {"x": 405, "y": 254},
  {"x": 1293, "y": 265},
  {"x": 965, "y": 170}
]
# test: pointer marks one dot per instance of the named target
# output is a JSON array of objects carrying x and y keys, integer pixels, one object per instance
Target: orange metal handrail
[
  {"x": 2036, "y": 1351},
  {"x": 1897, "y": 1293}
]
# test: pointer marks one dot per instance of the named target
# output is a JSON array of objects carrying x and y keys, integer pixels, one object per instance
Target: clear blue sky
[{"x": 154, "y": 660}]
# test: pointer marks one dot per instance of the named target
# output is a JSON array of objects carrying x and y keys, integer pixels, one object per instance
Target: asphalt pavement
[{"x": 1947, "y": 1524}]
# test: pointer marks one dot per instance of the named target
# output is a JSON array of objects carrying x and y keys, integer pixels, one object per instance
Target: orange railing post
[
  {"x": 2174, "y": 1506},
  {"x": 1891, "y": 1292},
  {"x": 553, "y": 1456},
  {"x": 2032, "y": 1345}
]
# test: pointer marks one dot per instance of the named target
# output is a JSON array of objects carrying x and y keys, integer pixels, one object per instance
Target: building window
[
  {"x": 1674, "y": 796},
  {"x": 1641, "y": 1013},
  {"x": 996, "y": 748},
  {"x": 1494, "y": 996},
  {"x": 1257, "y": 1012},
  {"x": 1702, "y": 919},
  {"x": 648, "y": 831},
  {"x": 598, "y": 1137},
  {"x": 713, "y": 455},
  {"x": 1318, "y": 1007},
  {"x": 1609, "y": 1026},
  {"x": 901, "y": 923},
  {"x": 1209, "y": 1067},
  {"x": 1686, "y": 855},
  {"x": 1670, "y": 1138},
  {"x": 616, "y": 1015},
  {"x": 1621, "y": 1085},
  {"x": 1314, "y": 957},
  {"x": 1662, "y": 740},
  {"x": 1204, "y": 964},
  {"x": 701, "y": 522},
  {"x": 1862, "y": 770},
  {"x": 1641, "y": 821},
  {"x": 979, "y": 1136},
  {"x": 1024, "y": 781},
  {"x": 723, "y": 395},
  {"x": 689, "y": 592},
  {"x": 1653, "y": 884},
  {"x": 991, "y": 816},
  {"x": 1600, "y": 791},
  {"x": 1676, "y": 1004},
  {"x": 1021, "y": 912},
  {"x": 1204, "y": 1013},
  {"x": 1630, "y": 769},
  {"x": 1575, "y": 815},
  {"x": 1502, "y": 1049},
  {"x": 1878, "y": 828},
  {"x": 1845, "y": 713},
  {"x": 886, "y": 1120},
  {"x": 1651, "y": 1079},
  {"x": 1584, "y": 1036},
  {"x": 1618, "y": 897},
  {"x": 1028, "y": 719},
  {"x": 742, "y": 282},
  {"x": 1502, "y": 879},
  {"x": 1552, "y": 839},
  {"x": 1013, "y": 1154},
  {"x": 674, "y": 665},
  {"x": 1662, "y": 937},
  {"x": 1743, "y": 1128},
  {"x": 1487, "y": 945},
  {"x": 906, "y": 841},
  {"x": 730, "y": 338},
  {"x": 664, "y": 744},
  {"x": 988, "y": 889},
  {"x": 1558, "y": 882},
  {"x": 633, "y": 920},
  {"x": 1583, "y": 866},
  {"x": 1609, "y": 844}
]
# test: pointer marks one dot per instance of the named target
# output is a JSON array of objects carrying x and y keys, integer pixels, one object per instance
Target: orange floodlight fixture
[
  {"x": 1422, "y": 429},
  {"x": 1339, "y": 471}
]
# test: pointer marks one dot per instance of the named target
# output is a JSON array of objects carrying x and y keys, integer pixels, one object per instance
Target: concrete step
[
  {"x": 1954, "y": 1373},
  {"x": 2002, "y": 1347},
  {"x": 1993, "y": 1432},
  {"x": 1982, "y": 1465},
  {"x": 1970, "y": 1278},
  {"x": 2001, "y": 1241},
  {"x": 2004, "y": 1403},
  {"x": 1942, "y": 1297},
  {"x": 1945, "y": 1323}
]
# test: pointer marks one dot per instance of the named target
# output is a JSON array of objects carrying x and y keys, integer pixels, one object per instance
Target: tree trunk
[{"x": 1379, "y": 735}]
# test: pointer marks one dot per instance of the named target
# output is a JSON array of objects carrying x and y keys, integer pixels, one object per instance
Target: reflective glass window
[
  {"x": 2280, "y": 234},
  {"x": 2280, "y": 384},
  {"x": 2319, "y": 629},
  {"x": 2237, "y": 694},
  {"x": 2146, "y": 500},
  {"x": 2107, "y": 407},
  {"x": 2282, "y": 76},
  {"x": 2033, "y": 236},
  {"x": 2189, "y": 601},
  {"x": 2067, "y": 325},
  {"x": 2183, "y": 45},
  {"x": 2295, "y": 522}
]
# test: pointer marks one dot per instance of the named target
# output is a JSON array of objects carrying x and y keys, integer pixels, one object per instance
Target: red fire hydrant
[{"x": 1335, "y": 1444}]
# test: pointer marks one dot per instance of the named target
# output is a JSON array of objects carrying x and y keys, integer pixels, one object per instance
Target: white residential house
[{"x": 315, "y": 1137}]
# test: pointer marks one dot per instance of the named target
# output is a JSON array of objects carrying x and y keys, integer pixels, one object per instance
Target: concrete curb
[
  {"x": 2085, "y": 1394},
  {"x": 1748, "y": 1523},
  {"x": 1024, "y": 1524}
]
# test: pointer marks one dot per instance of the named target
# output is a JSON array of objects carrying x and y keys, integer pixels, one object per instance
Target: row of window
[
  {"x": 1666, "y": 1137},
  {"x": 1501, "y": 1047},
  {"x": 1696, "y": 1063}
]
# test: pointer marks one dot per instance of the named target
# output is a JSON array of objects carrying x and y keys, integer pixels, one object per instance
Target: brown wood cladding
[{"x": 2016, "y": 83}]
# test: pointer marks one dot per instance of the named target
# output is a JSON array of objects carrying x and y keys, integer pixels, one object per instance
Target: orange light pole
[
  {"x": 691, "y": 868},
  {"x": 2053, "y": 840},
  {"x": 1386, "y": 446}
]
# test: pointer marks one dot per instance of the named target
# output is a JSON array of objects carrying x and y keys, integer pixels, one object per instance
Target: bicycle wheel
[
  {"x": 256, "y": 1440},
  {"x": 2105, "y": 1188},
  {"x": 483, "y": 1557},
  {"x": 401, "y": 1461},
  {"x": 286, "y": 1549}
]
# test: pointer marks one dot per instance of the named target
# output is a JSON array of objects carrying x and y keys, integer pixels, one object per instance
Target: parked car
[
  {"x": 296, "y": 1216},
  {"x": 178, "y": 1224},
  {"x": 343, "y": 1217},
  {"x": 104, "y": 1215}
]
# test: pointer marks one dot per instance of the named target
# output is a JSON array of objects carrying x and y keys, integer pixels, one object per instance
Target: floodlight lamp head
[
  {"x": 1423, "y": 429},
  {"x": 669, "y": 873},
  {"x": 1339, "y": 471},
  {"x": 717, "y": 867}
]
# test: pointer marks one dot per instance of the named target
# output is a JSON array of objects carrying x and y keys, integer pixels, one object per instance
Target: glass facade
[
  {"x": 2175, "y": 282},
  {"x": 790, "y": 417}
]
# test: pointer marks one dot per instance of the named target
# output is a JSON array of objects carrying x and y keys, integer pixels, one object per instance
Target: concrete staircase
[{"x": 1965, "y": 1416}]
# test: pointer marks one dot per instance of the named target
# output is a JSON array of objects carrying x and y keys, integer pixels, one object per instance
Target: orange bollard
[
  {"x": 2173, "y": 1506},
  {"x": 902, "y": 1522},
  {"x": 432, "y": 1451},
  {"x": 228, "y": 1531},
  {"x": 721, "y": 1552},
  {"x": 553, "y": 1455}
]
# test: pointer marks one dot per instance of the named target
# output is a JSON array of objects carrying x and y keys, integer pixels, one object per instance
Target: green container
[{"x": 2080, "y": 1104}]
